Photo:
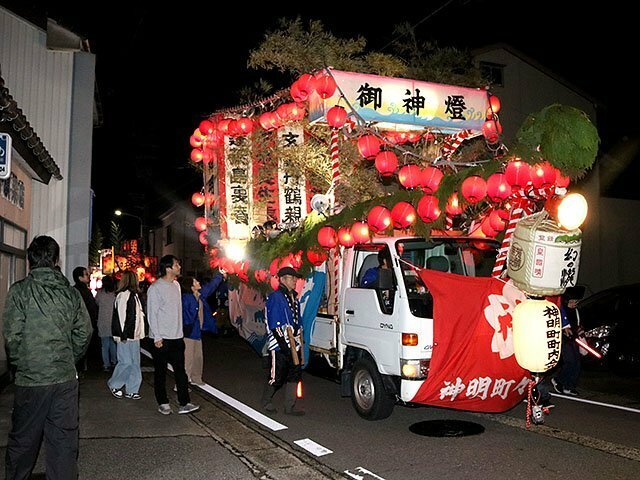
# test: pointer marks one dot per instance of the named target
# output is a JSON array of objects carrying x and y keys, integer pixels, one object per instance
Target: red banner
[{"x": 473, "y": 366}]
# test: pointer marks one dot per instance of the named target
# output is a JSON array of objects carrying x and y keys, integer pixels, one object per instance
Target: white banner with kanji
[
  {"x": 291, "y": 186},
  {"x": 239, "y": 188}
]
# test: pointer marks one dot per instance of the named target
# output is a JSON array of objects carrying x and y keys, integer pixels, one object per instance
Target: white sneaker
[
  {"x": 188, "y": 408},
  {"x": 165, "y": 409}
]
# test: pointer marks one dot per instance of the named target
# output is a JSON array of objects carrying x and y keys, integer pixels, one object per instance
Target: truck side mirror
[{"x": 385, "y": 279}]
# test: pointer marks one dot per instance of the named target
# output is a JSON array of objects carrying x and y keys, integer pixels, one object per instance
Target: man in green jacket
[{"x": 46, "y": 329}]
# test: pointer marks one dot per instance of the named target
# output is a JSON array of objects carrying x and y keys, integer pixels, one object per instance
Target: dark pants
[
  {"x": 570, "y": 364},
  {"x": 283, "y": 370},
  {"x": 51, "y": 410},
  {"x": 172, "y": 351}
]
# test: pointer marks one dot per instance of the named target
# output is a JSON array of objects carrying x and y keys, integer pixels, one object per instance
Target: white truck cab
[{"x": 380, "y": 336}]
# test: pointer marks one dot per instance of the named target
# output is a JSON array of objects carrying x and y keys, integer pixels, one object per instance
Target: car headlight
[
  {"x": 599, "y": 332},
  {"x": 414, "y": 369}
]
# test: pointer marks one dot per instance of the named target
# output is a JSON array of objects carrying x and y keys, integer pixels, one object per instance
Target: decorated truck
[{"x": 381, "y": 337}]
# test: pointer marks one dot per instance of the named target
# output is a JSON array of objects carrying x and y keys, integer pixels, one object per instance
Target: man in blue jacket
[{"x": 284, "y": 333}]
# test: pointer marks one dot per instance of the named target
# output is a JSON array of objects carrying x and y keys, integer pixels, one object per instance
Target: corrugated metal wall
[{"x": 40, "y": 80}]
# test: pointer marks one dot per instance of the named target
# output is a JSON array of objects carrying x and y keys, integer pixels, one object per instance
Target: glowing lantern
[
  {"x": 274, "y": 282},
  {"x": 428, "y": 209},
  {"x": 537, "y": 334},
  {"x": 495, "y": 103},
  {"x": 265, "y": 120},
  {"x": 572, "y": 211},
  {"x": 296, "y": 112},
  {"x": 498, "y": 219},
  {"x": 487, "y": 229},
  {"x": 197, "y": 155},
  {"x": 562, "y": 181},
  {"x": 369, "y": 146},
  {"x": 296, "y": 260},
  {"x": 244, "y": 125},
  {"x": 453, "y": 207},
  {"x": 403, "y": 215},
  {"x": 260, "y": 275},
  {"x": 206, "y": 127},
  {"x": 210, "y": 199},
  {"x": 274, "y": 266},
  {"x": 386, "y": 163},
  {"x": 409, "y": 176},
  {"x": 543, "y": 175},
  {"x": 490, "y": 131},
  {"x": 430, "y": 178},
  {"x": 195, "y": 141},
  {"x": 379, "y": 218},
  {"x": 518, "y": 174},
  {"x": 345, "y": 237},
  {"x": 336, "y": 116},
  {"x": 474, "y": 188},
  {"x": 200, "y": 224},
  {"x": 316, "y": 257},
  {"x": 327, "y": 237},
  {"x": 360, "y": 232},
  {"x": 223, "y": 126},
  {"x": 232, "y": 129},
  {"x": 306, "y": 85},
  {"x": 197, "y": 199},
  {"x": 413, "y": 137},
  {"x": 498, "y": 188},
  {"x": 204, "y": 240},
  {"x": 296, "y": 94},
  {"x": 283, "y": 112},
  {"x": 325, "y": 85}
]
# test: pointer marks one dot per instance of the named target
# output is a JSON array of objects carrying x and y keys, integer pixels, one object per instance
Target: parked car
[{"x": 611, "y": 322}]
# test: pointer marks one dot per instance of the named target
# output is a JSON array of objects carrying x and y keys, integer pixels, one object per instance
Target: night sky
[{"x": 160, "y": 71}]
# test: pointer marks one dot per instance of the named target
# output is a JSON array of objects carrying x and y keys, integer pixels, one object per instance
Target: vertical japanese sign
[
  {"x": 5, "y": 155},
  {"x": 291, "y": 185},
  {"x": 239, "y": 187},
  {"x": 553, "y": 324},
  {"x": 404, "y": 101}
]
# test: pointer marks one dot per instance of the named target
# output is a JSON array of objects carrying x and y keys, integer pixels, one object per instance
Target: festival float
[{"x": 325, "y": 174}]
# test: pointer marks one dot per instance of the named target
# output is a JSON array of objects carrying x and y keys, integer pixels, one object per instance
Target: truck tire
[{"x": 368, "y": 395}]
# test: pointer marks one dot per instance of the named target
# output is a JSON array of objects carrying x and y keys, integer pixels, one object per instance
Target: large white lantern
[{"x": 537, "y": 335}]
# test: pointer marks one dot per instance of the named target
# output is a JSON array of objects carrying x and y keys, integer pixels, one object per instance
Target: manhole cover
[{"x": 446, "y": 428}]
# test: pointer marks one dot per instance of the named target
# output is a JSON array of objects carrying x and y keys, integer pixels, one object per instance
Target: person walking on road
[
  {"x": 105, "y": 298},
  {"x": 164, "y": 309},
  {"x": 196, "y": 318},
  {"x": 283, "y": 323},
  {"x": 128, "y": 328},
  {"x": 47, "y": 329},
  {"x": 82, "y": 279}
]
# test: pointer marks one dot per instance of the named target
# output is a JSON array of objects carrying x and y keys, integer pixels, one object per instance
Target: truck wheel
[{"x": 368, "y": 396}]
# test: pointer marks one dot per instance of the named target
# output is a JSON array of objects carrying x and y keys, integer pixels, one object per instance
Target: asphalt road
[{"x": 580, "y": 439}]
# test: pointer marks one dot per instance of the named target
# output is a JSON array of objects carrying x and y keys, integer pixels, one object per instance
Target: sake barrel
[{"x": 543, "y": 258}]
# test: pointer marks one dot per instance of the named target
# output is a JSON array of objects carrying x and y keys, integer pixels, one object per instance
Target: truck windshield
[{"x": 464, "y": 257}]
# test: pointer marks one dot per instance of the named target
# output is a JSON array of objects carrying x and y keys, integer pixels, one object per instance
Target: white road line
[
  {"x": 313, "y": 447},
  {"x": 364, "y": 471},
  {"x": 232, "y": 402},
  {"x": 593, "y": 402}
]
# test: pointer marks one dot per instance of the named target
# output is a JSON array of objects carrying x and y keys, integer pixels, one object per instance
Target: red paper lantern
[
  {"x": 210, "y": 199},
  {"x": 498, "y": 219},
  {"x": 336, "y": 116},
  {"x": 197, "y": 199},
  {"x": 485, "y": 226},
  {"x": 244, "y": 125},
  {"x": 204, "y": 240},
  {"x": 283, "y": 112},
  {"x": 232, "y": 129},
  {"x": 495, "y": 103},
  {"x": 369, "y": 146},
  {"x": 197, "y": 155},
  {"x": 206, "y": 127},
  {"x": 360, "y": 232},
  {"x": 386, "y": 163},
  {"x": 296, "y": 94},
  {"x": 274, "y": 282},
  {"x": 430, "y": 178},
  {"x": 345, "y": 237},
  {"x": 562, "y": 181},
  {"x": 296, "y": 112},
  {"x": 325, "y": 85},
  {"x": 490, "y": 131},
  {"x": 543, "y": 175},
  {"x": 410, "y": 176},
  {"x": 316, "y": 257},
  {"x": 327, "y": 237},
  {"x": 474, "y": 188},
  {"x": 200, "y": 224},
  {"x": 195, "y": 141},
  {"x": 223, "y": 126},
  {"x": 498, "y": 188},
  {"x": 518, "y": 174},
  {"x": 453, "y": 207},
  {"x": 274, "y": 266},
  {"x": 403, "y": 215},
  {"x": 306, "y": 85},
  {"x": 261, "y": 275},
  {"x": 379, "y": 218},
  {"x": 428, "y": 209},
  {"x": 296, "y": 260}
]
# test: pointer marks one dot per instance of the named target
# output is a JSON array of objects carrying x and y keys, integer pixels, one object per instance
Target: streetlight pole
[{"x": 120, "y": 213}]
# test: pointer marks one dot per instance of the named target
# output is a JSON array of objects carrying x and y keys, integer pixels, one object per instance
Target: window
[
  {"x": 168, "y": 237},
  {"x": 494, "y": 72}
]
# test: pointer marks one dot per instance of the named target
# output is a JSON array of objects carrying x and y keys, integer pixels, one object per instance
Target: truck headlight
[{"x": 414, "y": 369}]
